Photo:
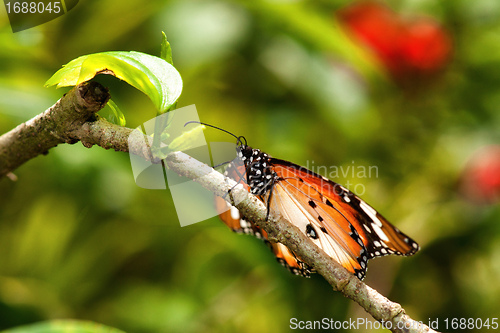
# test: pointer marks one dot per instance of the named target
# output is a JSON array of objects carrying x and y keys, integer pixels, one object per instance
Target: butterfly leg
[{"x": 268, "y": 204}]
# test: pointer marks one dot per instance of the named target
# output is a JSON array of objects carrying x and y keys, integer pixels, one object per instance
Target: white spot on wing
[
  {"x": 372, "y": 213},
  {"x": 235, "y": 213}
]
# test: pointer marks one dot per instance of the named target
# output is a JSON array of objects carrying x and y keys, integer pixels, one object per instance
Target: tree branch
[
  {"x": 54, "y": 126},
  {"x": 72, "y": 119}
]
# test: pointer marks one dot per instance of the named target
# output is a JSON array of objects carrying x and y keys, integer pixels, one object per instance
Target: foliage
[{"x": 64, "y": 326}]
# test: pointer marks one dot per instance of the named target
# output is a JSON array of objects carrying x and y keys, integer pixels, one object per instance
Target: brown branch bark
[
  {"x": 54, "y": 126},
  {"x": 72, "y": 119}
]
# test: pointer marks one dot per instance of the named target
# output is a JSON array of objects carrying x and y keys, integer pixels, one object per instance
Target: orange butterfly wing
[{"x": 350, "y": 230}]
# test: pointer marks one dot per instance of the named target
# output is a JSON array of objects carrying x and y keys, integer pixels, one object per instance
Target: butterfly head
[{"x": 260, "y": 176}]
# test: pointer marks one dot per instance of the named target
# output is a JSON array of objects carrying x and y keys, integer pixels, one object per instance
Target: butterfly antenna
[
  {"x": 238, "y": 138},
  {"x": 221, "y": 164}
]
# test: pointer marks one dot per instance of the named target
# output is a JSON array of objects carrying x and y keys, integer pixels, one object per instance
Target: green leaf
[
  {"x": 64, "y": 326},
  {"x": 154, "y": 76},
  {"x": 166, "y": 50},
  {"x": 320, "y": 31},
  {"x": 113, "y": 114}
]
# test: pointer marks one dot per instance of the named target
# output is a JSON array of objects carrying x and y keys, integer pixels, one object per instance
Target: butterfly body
[{"x": 336, "y": 220}]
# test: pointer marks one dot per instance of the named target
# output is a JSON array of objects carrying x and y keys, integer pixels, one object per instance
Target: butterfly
[{"x": 339, "y": 222}]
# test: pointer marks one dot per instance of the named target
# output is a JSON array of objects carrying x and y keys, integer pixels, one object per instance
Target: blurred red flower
[
  {"x": 408, "y": 48},
  {"x": 480, "y": 181}
]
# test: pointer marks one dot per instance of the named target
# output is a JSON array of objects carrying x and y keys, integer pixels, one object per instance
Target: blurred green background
[{"x": 78, "y": 238}]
